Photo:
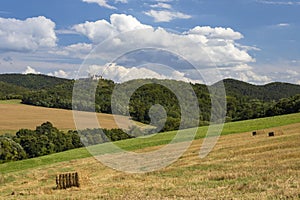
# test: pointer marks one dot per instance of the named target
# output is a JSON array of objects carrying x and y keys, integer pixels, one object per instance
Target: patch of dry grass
[
  {"x": 240, "y": 167},
  {"x": 17, "y": 116}
]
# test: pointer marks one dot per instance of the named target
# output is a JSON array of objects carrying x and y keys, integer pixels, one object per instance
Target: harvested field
[
  {"x": 17, "y": 116},
  {"x": 240, "y": 167}
]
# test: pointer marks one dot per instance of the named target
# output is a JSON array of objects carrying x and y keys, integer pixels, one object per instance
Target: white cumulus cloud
[
  {"x": 218, "y": 32},
  {"x": 121, "y": 1},
  {"x": 27, "y": 35},
  {"x": 122, "y": 23},
  {"x": 165, "y": 1},
  {"x": 104, "y": 3},
  {"x": 60, "y": 73},
  {"x": 282, "y": 25},
  {"x": 161, "y": 5},
  {"x": 96, "y": 31},
  {"x": 122, "y": 74},
  {"x": 202, "y": 45},
  {"x": 79, "y": 50},
  {"x": 30, "y": 70},
  {"x": 166, "y": 15},
  {"x": 100, "y": 30},
  {"x": 286, "y": 3},
  {"x": 292, "y": 72},
  {"x": 245, "y": 73}
]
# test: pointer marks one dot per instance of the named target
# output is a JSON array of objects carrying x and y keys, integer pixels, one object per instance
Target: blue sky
[{"x": 261, "y": 38}]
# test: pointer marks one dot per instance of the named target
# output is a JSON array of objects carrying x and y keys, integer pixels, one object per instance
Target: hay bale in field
[
  {"x": 271, "y": 134},
  {"x": 258, "y": 133},
  {"x": 68, "y": 180}
]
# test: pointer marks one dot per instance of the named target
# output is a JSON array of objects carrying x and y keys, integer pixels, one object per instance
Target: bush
[{"x": 10, "y": 150}]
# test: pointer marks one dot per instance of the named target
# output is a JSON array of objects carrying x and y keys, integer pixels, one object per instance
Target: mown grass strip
[{"x": 11, "y": 101}]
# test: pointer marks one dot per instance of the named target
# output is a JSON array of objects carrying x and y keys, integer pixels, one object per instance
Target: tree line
[
  {"x": 244, "y": 100},
  {"x": 241, "y": 104},
  {"x": 47, "y": 139}
]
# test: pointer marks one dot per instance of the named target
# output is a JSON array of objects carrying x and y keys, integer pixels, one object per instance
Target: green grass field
[
  {"x": 12, "y": 101},
  {"x": 158, "y": 139}
]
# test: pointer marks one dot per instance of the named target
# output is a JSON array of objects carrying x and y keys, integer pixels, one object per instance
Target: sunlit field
[
  {"x": 16, "y": 116},
  {"x": 241, "y": 166}
]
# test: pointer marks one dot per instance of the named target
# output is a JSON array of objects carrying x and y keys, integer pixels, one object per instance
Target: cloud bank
[
  {"x": 205, "y": 45},
  {"x": 27, "y": 35},
  {"x": 202, "y": 45}
]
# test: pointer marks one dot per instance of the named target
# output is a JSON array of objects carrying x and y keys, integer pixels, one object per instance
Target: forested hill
[
  {"x": 21, "y": 83},
  {"x": 10, "y": 91},
  {"x": 268, "y": 92},
  {"x": 244, "y": 100},
  {"x": 32, "y": 81}
]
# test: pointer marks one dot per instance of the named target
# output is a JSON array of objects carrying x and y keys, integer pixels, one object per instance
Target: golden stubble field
[
  {"x": 17, "y": 116},
  {"x": 240, "y": 167}
]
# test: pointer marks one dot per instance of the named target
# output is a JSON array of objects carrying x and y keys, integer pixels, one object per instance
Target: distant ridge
[
  {"x": 269, "y": 92},
  {"x": 32, "y": 81},
  {"x": 18, "y": 84}
]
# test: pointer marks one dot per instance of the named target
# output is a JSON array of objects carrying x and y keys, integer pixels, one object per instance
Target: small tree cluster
[{"x": 46, "y": 139}]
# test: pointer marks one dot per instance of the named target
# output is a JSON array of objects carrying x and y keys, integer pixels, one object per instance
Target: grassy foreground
[
  {"x": 240, "y": 167},
  {"x": 159, "y": 139}
]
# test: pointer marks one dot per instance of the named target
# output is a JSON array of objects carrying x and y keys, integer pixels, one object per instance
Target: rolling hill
[
  {"x": 32, "y": 81},
  {"x": 244, "y": 100},
  {"x": 269, "y": 92}
]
